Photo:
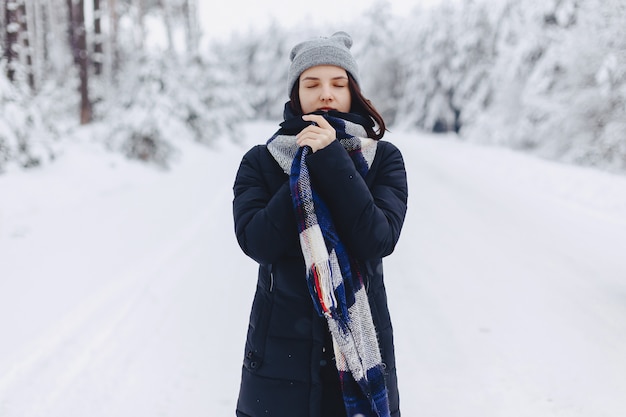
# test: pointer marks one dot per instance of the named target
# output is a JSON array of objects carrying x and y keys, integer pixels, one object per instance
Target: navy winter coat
[{"x": 287, "y": 345}]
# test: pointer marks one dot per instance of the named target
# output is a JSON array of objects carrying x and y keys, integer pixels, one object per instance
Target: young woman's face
[{"x": 324, "y": 87}]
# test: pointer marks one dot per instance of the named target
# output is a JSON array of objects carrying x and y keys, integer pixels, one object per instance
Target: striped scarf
[{"x": 333, "y": 276}]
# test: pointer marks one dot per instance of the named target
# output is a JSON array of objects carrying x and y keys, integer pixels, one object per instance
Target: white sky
[{"x": 240, "y": 15}]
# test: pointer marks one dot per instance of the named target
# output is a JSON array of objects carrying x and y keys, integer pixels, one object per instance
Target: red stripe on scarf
[{"x": 316, "y": 279}]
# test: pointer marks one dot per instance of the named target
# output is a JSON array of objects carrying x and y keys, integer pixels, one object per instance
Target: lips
[{"x": 326, "y": 108}]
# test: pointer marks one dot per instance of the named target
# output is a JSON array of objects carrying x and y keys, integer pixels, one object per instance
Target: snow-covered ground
[{"x": 123, "y": 291}]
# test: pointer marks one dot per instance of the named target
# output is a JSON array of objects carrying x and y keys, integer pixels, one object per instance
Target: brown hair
[{"x": 360, "y": 105}]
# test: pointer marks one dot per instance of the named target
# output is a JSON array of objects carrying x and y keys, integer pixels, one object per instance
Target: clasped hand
[{"x": 318, "y": 135}]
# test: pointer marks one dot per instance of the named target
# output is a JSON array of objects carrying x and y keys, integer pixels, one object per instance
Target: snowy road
[
  {"x": 123, "y": 292},
  {"x": 518, "y": 286}
]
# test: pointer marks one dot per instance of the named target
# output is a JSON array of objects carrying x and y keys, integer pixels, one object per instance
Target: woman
[{"x": 318, "y": 207}]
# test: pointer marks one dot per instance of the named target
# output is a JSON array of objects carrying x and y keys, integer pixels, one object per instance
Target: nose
[{"x": 326, "y": 93}]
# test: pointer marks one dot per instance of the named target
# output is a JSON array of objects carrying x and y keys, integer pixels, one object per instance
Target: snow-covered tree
[
  {"x": 557, "y": 82},
  {"x": 258, "y": 64},
  {"x": 382, "y": 76},
  {"x": 27, "y": 136},
  {"x": 545, "y": 76},
  {"x": 161, "y": 102}
]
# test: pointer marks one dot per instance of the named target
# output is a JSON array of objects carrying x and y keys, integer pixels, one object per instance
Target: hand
[{"x": 317, "y": 136}]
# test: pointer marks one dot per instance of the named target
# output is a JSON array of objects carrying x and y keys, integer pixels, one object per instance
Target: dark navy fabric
[{"x": 285, "y": 364}]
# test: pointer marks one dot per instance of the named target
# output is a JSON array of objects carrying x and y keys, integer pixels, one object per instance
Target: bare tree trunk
[
  {"x": 111, "y": 62},
  {"x": 57, "y": 42},
  {"x": 187, "y": 18},
  {"x": 3, "y": 25},
  {"x": 97, "y": 49},
  {"x": 167, "y": 20},
  {"x": 72, "y": 30},
  {"x": 78, "y": 42},
  {"x": 140, "y": 29},
  {"x": 12, "y": 31},
  {"x": 83, "y": 62},
  {"x": 26, "y": 50},
  {"x": 190, "y": 11},
  {"x": 40, "y": 30}
]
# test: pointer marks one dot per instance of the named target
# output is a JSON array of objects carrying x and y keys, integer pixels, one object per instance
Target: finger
[
  {"x": 318, "y": 134},
  {"x": 302, "y": 136},
  {"x": 313, "y": 131},
  {"x": 308, "y": 142},
  {"x": 319, "y": 119}
]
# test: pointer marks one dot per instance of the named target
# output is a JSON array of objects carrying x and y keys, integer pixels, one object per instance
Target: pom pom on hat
[{"x": 334, "y": 50}]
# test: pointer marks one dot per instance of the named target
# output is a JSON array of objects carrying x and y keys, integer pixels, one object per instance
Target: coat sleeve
[
  {"x": 264, "y": 220},
  {"x": 368, "y": 218}
]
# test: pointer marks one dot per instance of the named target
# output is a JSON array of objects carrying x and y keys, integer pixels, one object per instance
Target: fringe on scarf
[{"x": 333, "y": 277}]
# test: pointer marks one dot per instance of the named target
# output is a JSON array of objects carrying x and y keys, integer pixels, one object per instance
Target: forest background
[{"x": 547, "y": 77}]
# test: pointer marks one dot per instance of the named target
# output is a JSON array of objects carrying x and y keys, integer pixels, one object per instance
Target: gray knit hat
[{"x": 322, "y": 51}]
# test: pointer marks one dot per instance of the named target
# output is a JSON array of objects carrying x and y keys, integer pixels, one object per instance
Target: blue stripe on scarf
[{"x": 374, "y": 403}]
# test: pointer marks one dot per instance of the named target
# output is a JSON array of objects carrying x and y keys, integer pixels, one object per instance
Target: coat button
[
  {"x": 253, "y": 364},
  {"x": 249, "y": 354}
]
